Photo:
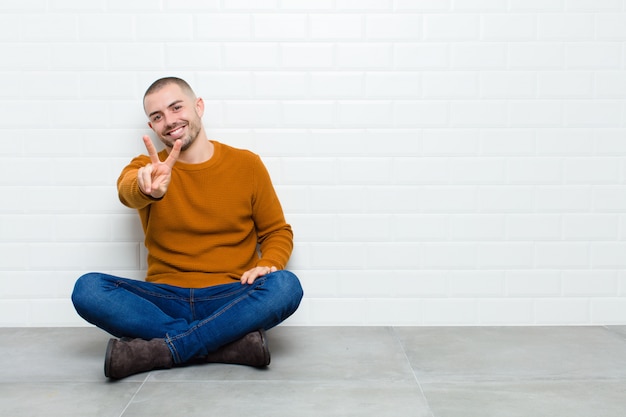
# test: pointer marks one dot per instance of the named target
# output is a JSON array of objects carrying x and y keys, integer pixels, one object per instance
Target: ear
[
  {"x": 200, "y": 106},
  {"x": 150, "y": 125}
]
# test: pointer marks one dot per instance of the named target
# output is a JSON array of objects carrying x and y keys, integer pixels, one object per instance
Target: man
[{"x": 217, "y": 245}]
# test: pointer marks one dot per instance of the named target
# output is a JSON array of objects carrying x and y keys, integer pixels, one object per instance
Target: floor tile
[
  {"x": 503, "y": 353},
  {"x": 65, "y": 399},
  {"x": 529, "y": 398},
  {"x": 316, "y": 353},
  {"x": 279, "y": 398},
  {"x": 52, "y": 354}
]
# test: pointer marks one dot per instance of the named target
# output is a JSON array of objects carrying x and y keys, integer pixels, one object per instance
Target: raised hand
[{"x": 155, "y": 177}]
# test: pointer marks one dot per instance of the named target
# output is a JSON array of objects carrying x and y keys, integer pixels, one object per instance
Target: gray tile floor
[{"x": 333, "y": 371}]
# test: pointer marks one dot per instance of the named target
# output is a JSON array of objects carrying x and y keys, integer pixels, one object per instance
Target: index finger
[{"x": 154, "y": 156}]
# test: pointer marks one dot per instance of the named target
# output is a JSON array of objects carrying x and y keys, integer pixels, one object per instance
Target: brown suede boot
[
  {"x": 127, "y": 357},
  {"x": 250, "y": 350}
]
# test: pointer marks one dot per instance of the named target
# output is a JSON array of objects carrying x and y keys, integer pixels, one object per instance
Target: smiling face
[{"x": 174, "y": 114}]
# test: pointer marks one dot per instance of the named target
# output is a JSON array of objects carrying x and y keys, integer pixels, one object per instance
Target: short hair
[{"x": 162, "y": 82}]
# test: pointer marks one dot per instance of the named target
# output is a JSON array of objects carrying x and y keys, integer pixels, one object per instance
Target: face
[{"x": 174, "y": 114}]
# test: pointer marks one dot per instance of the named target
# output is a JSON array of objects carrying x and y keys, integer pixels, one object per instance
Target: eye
[
  {"x": 156, "y": 118},
  {"x": 177, "y": 107}
]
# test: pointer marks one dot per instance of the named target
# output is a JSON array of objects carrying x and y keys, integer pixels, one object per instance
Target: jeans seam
[{"x": 222, "y": 311}]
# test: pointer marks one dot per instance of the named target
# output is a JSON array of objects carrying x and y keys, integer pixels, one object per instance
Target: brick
[
  {"x": 392, "y": 84},
  {"x": 252, "y": 113},
  {"x": 555, "y": 311},
  {"x": 364, "y": 4},
  {"x": 590, "y": 227},
  {"x": 563, "y": 199},
  {"x": 508, "y": 84},
  {"x": 544, "y": 113},
  {"x": 405, "y": 26},
  {"x": 565, "y": 26},
  {"x": 337, "y": 84},
  {"x": 308, "y": 113},
  {"x": 420, "y": 227},
  {"x": 250, "y": 55},
  {"x": 450, "y": 199},
  {"x": 220, "y": 26},
  {"x": 609, "y": 198},
  {"x": 364, "y": 55},
  {"x": 421, "y": 171},
  {"x": 529, "y": 283},
  {"x": 536, "y": 5},
  {"x": 536, "y": 55},
  {"x": 470, "y": 284},
  {"x": 451, "y": 84},
  {"x": 508, "y": 27},
  {"x": 49, "y": 28},
  {"x": 596, "y": 113},
  {"x": 281, "y": 84},
  {"x": 610, "y": 84},
  {"x": 565, "y": 255},
  {"x": 449, "y": 256},
  {"x": 307, "y": 55},
  {"x": 363, "y": 228},
  {"x": 450, "y": 142},
  {"x": 565, "y": 141},
  {"x": 477, "y": 171},
  {"x": 503, "y": 142},
  {"x": 454, "y": 310},
  {"x": 505, "y": 255},
  {"x": 565, "y": 84},
  {"x": 608, "y": 255},
  {"x": 505, "y": 199},
  {"x": 423, "y": 5},
  {"x": 479, "y": 5},
  {"x": 364, "y": 113},
  {"x": 426, "y": 56},
  {"x": 280, "y": 26},
  {"x": 106, "y": 28},
  {"x": 478, "y": 113},
  {"x": 222, "y": 84},
  {"x": 533, "y": 227},
  {"x": 594, "y": 55},
  {"x": 150, "y": 27},
  {"x": 336, "y": 26},
  {"x": 421, "y": 113},
  {"x": 481, "y": 56},
  {"x": 610, "y": 26},
  {"x": 592, "y": 171},
  {"x": 535, "y": 171},
  {"x": 509, "y": 312},
  {"x": 593, "y": 5},
  {"x": 477, "y": 227},
  {"x": 455, "y": 27}
]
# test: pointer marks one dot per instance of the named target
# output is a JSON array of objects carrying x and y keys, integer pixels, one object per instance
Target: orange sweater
[{"x": 206, "y": 228}]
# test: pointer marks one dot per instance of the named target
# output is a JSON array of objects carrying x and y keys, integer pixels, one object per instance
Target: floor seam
[
  {"x": 132, "y": 398},
  {"x": 408, "y": 361}
]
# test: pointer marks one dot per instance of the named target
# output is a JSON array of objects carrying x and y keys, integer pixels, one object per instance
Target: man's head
[{"x": 174, "y": 112}]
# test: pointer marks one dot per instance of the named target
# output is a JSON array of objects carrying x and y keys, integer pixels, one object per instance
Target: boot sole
[
  {"x": 107, "y": 358},
  {"x": 266, "y": 350}
]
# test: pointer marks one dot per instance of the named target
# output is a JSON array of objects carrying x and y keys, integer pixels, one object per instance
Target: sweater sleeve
[
  {"x": 275, "y": 235},
  {"x": 128, "y": 188}
]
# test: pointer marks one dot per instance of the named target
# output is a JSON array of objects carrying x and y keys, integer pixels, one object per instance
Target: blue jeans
[{"x": 193, "y": 321}]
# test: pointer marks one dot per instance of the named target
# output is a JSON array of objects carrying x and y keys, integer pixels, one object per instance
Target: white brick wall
[{"x": 442, "y": 162}]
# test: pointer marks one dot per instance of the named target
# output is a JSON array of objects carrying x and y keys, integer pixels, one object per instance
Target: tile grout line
[
  {"x": 134, "y": 395},
  {"x": 406, "y": 357}
]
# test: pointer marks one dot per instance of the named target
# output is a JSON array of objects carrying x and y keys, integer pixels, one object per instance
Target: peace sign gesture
[{"x": 154, "y": 178}]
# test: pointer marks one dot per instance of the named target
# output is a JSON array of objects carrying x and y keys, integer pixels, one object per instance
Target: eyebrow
[{"x": 159, "y": 111}]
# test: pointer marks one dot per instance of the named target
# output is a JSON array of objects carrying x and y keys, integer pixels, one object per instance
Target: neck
[{"x": 201, "y": 150}]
